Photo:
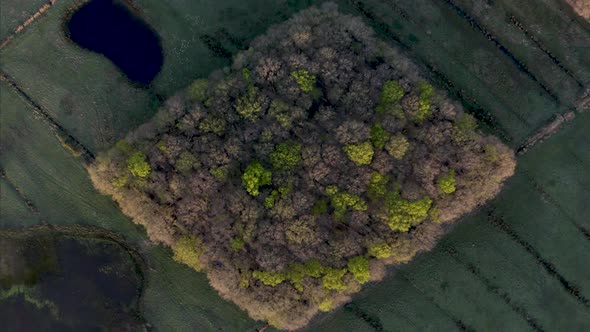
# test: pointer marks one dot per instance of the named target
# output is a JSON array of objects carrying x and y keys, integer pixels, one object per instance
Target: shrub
[
  {"x": 397, "y": 146},
  {"x": 360, "y": 154},
  {"x": 379, "y": 136},
  {"x": 304, "y": 79},
  {"x": 464, "y": 128},
  {"x": 359, "y": 267},
  {"x": 138, "y": 165},
  {"x": 286, "y": 156},
  {"x": 269, "y": 278},
  {"x": 120, "y": 181},
  {"x": 447, "y": 183},
  {"x": 198, "y": 90},
  {"x": 326, "y": 305},
  {"x": 254, "y": 177},
  {"x": 380, "y": 250},
  {"x": 188, "y": 250},
  {"x": 124, "y": 147}
]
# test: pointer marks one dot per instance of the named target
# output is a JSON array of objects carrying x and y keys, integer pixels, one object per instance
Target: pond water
[
  {"x": 51, "y": 282},
  {"x": 108, "y": 27}
]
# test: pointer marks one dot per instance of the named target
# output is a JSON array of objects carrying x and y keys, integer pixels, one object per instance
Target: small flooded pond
[
  {"x": 109, "y": 28},
  {"x": 55, "y": 282}
]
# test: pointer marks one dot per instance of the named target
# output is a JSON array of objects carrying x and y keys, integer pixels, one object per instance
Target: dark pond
[
  {"x": 108, "y": 27},
  {"x": 50, "y": 282}
]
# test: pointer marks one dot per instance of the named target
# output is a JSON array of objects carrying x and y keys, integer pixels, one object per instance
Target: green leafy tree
[
  {"x": 269, "y": 278},
  {"x": 391, "y": 93},
  {"x": 403, "y": 214},
  {"x": 380, "y": 250},
  {"x": 360, "y": 154},
  {"x": 219, "y": 173},
  {"x": 332, "y": 279},
  {"x": 447, "y": 183},
  {"x": 269, "y": 201},
  {"x": 138, "y": 166},
  {"x": 342, "y": 201},
  {"x": 286, "y": 156},
  {"x": 296, "y": 275},
  {"x": 249, "y": 106},
  {"x": 304, "y": 79},
  {"x": 424, "y": 102},
  {"x": 188, "y": 250},
  {"x": 237, "y": 244},
  {"x": 314, "y": 268},
  {"x": 379, "y": 136},
  {"x": 320, "y": 207},
  {"x": 213, "y": 125},
  {"x": 359, "y": 267},
  {"x": 377, "y": 186},
  {"x": 397, "y": 146},
  {"x": 255, "y": 177},
  {"x": 186, "y": 161}
]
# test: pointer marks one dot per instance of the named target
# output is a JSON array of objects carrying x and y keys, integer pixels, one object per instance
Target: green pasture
[
  {"x": 15, "y": 12},
  {"x": 482, "y": 276}
]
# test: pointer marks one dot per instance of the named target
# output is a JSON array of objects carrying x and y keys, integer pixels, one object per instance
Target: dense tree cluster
[{"x": 296, "y": 175}]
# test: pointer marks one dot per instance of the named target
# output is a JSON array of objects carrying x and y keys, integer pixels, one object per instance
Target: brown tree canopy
[{"x": 296, "y": 175}]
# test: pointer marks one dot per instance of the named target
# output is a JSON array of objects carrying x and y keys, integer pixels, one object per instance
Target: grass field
[
  {"x": 14, "y": 13},
  {"x": 518, "y": 264}
]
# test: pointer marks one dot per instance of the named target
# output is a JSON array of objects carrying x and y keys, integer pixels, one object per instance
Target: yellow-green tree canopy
[
  {"x": 447, "y": 183},
  {"x": 188, "y": 250},
  {"x": 360, "y": 154},
  {"x": 254, "y": 177},
  {"x": 359, "y": 267},
  {"x": 286, "y": 156},
  {"x": 138, "y": 166},
  {"x": 305, "y": 80}
]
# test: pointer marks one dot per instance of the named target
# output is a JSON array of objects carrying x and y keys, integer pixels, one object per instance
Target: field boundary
[
  {"x": 494, "y": 289},
  {"x": 516, "y": 22},
  {"x": 573, "y": 290},
  {"x": 27, "y": 22},
  {"x": 68, "y": 141},
  {"x": 489, "y": 36},
  {"x": 28, "y": 203}
]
